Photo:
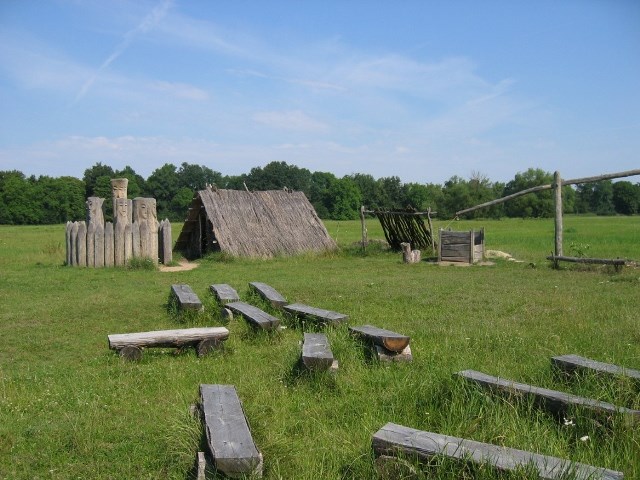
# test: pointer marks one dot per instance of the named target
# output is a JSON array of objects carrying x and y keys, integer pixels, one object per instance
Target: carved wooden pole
[
  {"x": 165, "y": 242},
  {"x": 557, "y": 185},
  {"x": 119, "y": 190},
  {"x": 81, "y": 244},
  {"x": 74, "y": 244},
  {"x": 67, "y": 237},
  {"x": 99, "y": 247},
  {"x": 91, "y": 238},
  {"x": 109, "y": 244},
  {"x": 121, "y": 218}
]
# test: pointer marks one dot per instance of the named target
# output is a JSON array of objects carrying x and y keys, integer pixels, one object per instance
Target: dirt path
[{"x": 183, "y": 266}]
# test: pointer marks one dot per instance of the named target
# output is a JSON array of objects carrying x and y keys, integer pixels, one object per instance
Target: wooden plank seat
[
  {"x": 224, "y": 293},
  {"x": 184, "y": 297},
  {"x": 130, "y": 345},
  {"x": 393, "y": 439},
  {"x": 392, "y": 341},
  {"x": 227, "y": 430},
  {"x": 551, "y": 400},
  {"x": 575, "y": 363},
  {"x": 316, "y": 352},
  {"x": 254, "y": 315},
  {"x": 315, "y": 314},
  {"x": 268, "y": 293}
]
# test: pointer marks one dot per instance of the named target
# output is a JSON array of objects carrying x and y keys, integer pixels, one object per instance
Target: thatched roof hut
[{"x": 252, "y": 224}]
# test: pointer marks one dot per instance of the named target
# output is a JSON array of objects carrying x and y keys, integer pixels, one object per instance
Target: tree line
[{"x": 47, "y": 200}]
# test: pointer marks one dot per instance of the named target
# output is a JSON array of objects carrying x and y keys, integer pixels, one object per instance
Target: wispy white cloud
[
  {"x": 181, "y": 90},
  {"x": 289, "y": 120},
  {"x": 147, "y": 23}
]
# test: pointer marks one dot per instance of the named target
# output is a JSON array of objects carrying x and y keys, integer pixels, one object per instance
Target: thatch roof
[{"x": 252, "y": 224}]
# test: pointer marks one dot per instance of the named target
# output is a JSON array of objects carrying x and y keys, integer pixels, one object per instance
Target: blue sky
[{"x": 419, "y": 89}]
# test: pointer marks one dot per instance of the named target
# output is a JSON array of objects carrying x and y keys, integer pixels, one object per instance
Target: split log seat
[
  {"x": 555, "y": 402},
  {"x": 315, "y": 314},
  {"x": 227, "y": 430},
  {"x": 268, "y": 293},
  {"x": 224, "y": 293},
  {"x": 130, "y": 345},
  {"x": 184, "y": 298},
  {"x": 393, "y": 439},
  {"x": 254, "y": 315},
  {"x": 576, "y": 363},
  {"x": 392, "y": 341},
  {"x": 316, "y": 352}
]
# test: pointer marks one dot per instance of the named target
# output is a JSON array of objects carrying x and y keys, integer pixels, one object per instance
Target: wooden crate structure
[{"x": 463, "y": 247}]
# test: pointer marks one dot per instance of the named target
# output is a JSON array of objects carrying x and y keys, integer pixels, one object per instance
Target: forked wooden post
[{"x": 557, "y": 186}]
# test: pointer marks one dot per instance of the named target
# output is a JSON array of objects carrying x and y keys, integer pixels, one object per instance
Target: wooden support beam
[
  {"x": 393, "y": 439},
  {"x": 254, "y": 315},
  {"x": 575, "y": 363},
  {"x": 556, "y": 402},
  {"x": 185, "y": 298},
  {"x": 316, "y": 352},
  {"x": 315, "y": 314},
  {"x": 224, "y": 293},
  {"x": 268, "y": 293},
  {"x": 573, "y": 181},
  {"x": 392, "y": 341},
  {"x": 228, "y": 435}
]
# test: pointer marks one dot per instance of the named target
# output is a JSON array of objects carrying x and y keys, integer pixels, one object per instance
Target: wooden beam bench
[
  {"x": 184, "y": 298},
  {"x": 268, "y": 293},
  {"x": 389, "y": 346},
  {"x": 224, "y": 293},
  {"x": 575, "y": 363},
  {"x": 316, "y": 352},
  {"x": 393, "y": 439},
  {"x": 317, "y": 315},
  {"x": 130, "y": 345},
  {"x": 254, "y": 315},
  {"x": 616, "y": 262},
  {"x": 551, "y": 400},
  {"x": 227, "y": 430}
]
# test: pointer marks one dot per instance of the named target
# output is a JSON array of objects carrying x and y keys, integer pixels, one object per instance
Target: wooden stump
[
  {"x": 67, "y": 238},
  {"x": 207, "y": 345},
  {"x": 408, "y": 255},
  {"x": 165, "y": 242},
  {"x": 316, "y": 352},
  {"x": 131, "y": 353},
  {"x": 385, "y": 355}
]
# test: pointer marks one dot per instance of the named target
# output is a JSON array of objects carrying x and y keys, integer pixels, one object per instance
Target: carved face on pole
[
  {"x": 122, "y": 211},
  {"x": 145, "y": 210},
  {"x": 94, "y": 210},
  {"x": 119, "y": 187}
]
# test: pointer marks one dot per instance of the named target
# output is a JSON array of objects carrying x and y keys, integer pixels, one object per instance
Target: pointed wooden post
[
  {"x": 109, "y": 245},
  {"x": 364, "y": 229},
  {"x": 557, "y": 186}
]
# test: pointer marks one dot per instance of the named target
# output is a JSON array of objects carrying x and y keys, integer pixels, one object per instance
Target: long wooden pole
[
  {"x": 364, "y": 229},
  {"x": 573, "y": 181},
  {"x": 557, "y": 185}
]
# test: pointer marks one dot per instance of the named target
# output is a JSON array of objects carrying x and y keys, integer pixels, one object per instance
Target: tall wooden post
[
  {"x": 364, "y": 229},
  {"x": 557, "y": 186}
]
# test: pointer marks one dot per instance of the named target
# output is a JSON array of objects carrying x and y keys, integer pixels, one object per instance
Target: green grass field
[{"x": 71, "y": 408}]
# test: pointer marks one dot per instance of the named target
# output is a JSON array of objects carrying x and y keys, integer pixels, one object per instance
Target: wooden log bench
[
  {"x": 317, "y": 315},
  {"x": 618, "y": 263},
  {"x": 130, "y": 345},
  {"x": 227, "y": 430},
  {"x": 268, "y": 293},
  {"x": 393, "y": 439},
  {"x": 577, "y": 364},
  {"x": 558, "y": 403},
  {"x": 224, "y": 293},
  {"x": 184, "y": 298},
  {"x": 389, "y": 346},
  {"x": 316, "y": 352},
  {"x": 254, "y": 315}
]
